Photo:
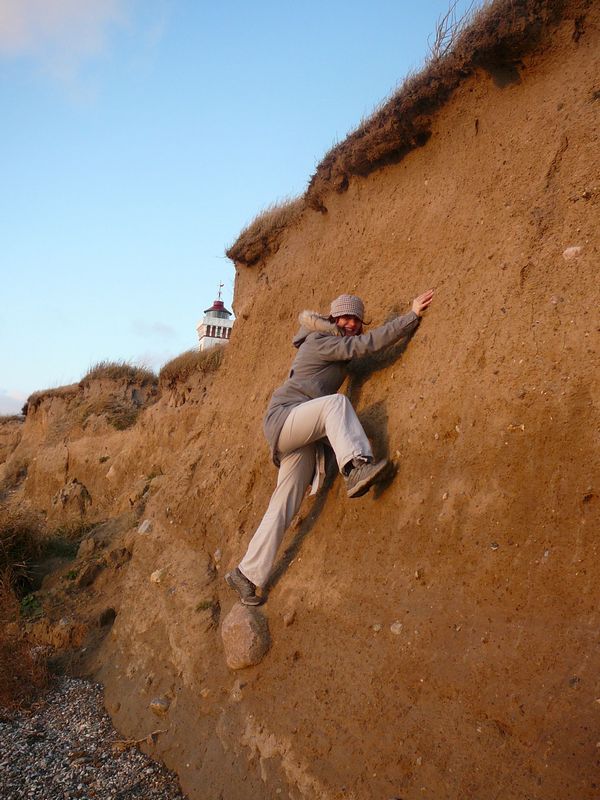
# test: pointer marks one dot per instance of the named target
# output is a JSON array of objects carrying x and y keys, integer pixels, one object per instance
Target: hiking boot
[
  {"x": 245, "y": 588},
  {"x": 363, "y": 476}
]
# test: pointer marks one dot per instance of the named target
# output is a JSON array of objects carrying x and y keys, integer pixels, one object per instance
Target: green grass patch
[{"x": 30, "y": 607}]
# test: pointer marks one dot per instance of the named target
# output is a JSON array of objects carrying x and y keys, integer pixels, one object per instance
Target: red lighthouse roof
[{"x": 218, "y": 305}]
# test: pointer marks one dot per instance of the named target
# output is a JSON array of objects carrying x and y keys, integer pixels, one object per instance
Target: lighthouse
[{"x": 216, "y": 324}]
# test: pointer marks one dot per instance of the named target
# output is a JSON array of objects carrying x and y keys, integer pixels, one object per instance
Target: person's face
[{"x": 350, "y": 325}]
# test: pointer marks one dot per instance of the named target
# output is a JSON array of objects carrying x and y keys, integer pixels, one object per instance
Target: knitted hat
[{"x": 348, "y": 305}]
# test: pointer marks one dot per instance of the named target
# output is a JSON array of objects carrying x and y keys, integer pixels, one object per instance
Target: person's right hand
[{"x": 421, "y": 302}]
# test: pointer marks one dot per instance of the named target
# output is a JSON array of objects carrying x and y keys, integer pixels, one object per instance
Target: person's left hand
[{"x": 421, "y": 303}]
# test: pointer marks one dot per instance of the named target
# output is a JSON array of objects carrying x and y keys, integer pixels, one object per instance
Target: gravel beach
[{"x": 63, "y": 748}]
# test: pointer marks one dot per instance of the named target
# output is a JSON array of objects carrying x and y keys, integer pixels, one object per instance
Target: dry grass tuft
[
  {"x": 260, "y": 238},
  {"x": 15, "y": 472},
  {"x": 8, "y": 418},
  {"x": 180, "y": 368},
  {"x": 447, "y": 30},
  {"x": 119, "y": 371},
  {"x": 118, "y": 412},
  {"x": 23, "y": 675},
  {"x": 21, "y": 543},
  {"x": 493, "y": 38}
]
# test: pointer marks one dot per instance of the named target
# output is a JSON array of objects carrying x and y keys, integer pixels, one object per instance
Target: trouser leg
[
  {"x": 295, "y": 473},
  {"x": 332, "y": 416}
]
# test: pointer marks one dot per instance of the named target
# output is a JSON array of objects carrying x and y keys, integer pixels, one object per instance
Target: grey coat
[{"x": 320, "y": 366}]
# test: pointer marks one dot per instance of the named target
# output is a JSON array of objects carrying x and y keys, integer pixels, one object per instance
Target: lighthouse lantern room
[{"x": 216, "y": 324}]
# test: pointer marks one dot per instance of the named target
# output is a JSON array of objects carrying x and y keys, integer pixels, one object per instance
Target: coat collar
[{"x": 311, "y": 322}]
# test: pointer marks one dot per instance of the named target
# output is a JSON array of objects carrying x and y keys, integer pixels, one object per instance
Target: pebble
[
  {"x": 160, "y": 706},
  {"x": 86, "y": 548},
  {"x": 289, "y": 617},
  {"x": 145, "y": 527},
  {"x": 572, "y": 252},
  {"x": 63, "y": 748},
  {"x": 158, "y": 575},
  {"x": 396, "y": 628}
]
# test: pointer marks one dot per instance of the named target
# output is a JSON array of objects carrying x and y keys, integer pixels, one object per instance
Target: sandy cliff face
[{"x": 444, "y": 633}]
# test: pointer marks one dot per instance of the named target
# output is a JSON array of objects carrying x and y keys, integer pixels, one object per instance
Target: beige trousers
[{"x": 331, "y": 416}]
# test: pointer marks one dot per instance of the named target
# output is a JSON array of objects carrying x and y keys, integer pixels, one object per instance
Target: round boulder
[{"x": 245, "y": 634}]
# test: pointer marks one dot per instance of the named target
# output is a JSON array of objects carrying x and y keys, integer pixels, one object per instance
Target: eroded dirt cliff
[{"x": 440, "y": 635}]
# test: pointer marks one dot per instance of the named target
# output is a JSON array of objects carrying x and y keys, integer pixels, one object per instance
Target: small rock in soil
[
  {"x": 86, "y": 548},
  {"x": 572, "y": 252},
  {"x": 289, "y": 617},
  {"x": 160, "y": 706}
]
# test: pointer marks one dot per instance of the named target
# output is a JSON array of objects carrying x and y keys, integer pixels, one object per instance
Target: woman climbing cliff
[{"x": 306, "y": 410}]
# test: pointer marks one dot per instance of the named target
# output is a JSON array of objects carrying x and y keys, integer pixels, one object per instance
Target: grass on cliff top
[
  {"x": 36, "y": 398},
  {"x": 180, "y": 368},
  {"x": 108, "y": 370},
  {"x": 254, "y": 239},
  {"x": 492, "y": 38},
  {"x": 117, "y": 371}
]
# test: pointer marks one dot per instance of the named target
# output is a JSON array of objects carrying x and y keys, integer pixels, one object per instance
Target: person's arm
[{"x": 344, "y": 348}]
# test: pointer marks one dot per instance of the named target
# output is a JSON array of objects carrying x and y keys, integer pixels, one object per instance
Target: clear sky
[{"x": 139, "y": 136}]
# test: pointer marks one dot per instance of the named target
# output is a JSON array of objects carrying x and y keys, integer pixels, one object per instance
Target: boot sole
[{"x": 363, "y": 486}]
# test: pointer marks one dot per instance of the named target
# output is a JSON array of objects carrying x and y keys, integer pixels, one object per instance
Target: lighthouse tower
[{"x": 216, "y": 325}]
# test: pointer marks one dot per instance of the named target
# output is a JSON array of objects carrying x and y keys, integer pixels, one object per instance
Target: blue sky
[{"x": 139, "y": 136}]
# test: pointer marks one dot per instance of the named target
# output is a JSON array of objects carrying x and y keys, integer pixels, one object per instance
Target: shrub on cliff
[
  {"x": 20, "y": 545},
  {"x": 180, "y": 368},
  {"x": 22, "y": 675}
]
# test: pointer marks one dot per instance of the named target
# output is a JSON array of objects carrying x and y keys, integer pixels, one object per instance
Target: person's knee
[{"x": 338, "y": 401}]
